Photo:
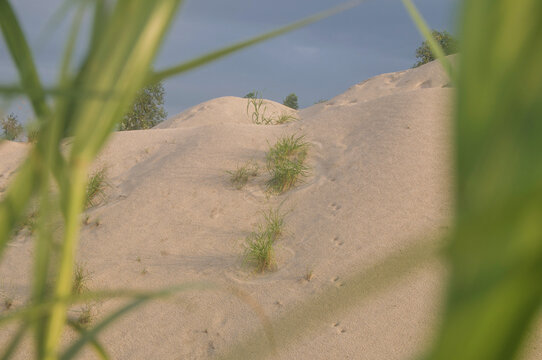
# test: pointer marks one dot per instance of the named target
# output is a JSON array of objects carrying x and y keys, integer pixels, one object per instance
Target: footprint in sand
[
  {"x": 338, "y": 328},
  {"x": 335, "y": 206},
  {"x": 337, "y": 282},
  {"x": 337, "y": 241}
]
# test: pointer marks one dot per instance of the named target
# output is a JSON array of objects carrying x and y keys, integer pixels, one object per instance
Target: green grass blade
[
  {"x": 323, "y": 307},
  {"x": 426, "y": 33},
  {"x": 215, "y": 55},
  {"x": 15, "y": 201},
  {"x": 14, "y": 343},
  {"x": 99, "y": 350},
  {"x": 22, "y": 57},
  {"x": 90, "y": 335},
  {"x": 70, "y": 44},
  {"x": 496, "y": 254}
]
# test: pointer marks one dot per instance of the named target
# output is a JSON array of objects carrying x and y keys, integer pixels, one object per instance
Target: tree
[
  {"x": 11, "y": 128},
  {"x": 147, "y": 110},
  {"x": 446, "y": 41},
  {"x": 291, "y": 101},
  {"x": 251, "y": 95}
]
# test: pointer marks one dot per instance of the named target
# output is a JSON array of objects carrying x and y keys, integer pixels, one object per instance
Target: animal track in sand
[
  {"x": 335, "y": 206},
  {"x": 337, "y": 282},
  {"x": 338, "y": 327},
  {"x": 337, "y": 241}
]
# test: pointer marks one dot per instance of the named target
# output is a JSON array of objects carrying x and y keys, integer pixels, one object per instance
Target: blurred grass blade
[
  {"x": 426, "y": 33},
  {"x": 15, "y": 201},
  {"x": 320, "y": 309},
  {"x": 12, "y": 346},
  {"x": 70, "y": 44},
  {"x": 215, "y": 55},
  {"x": 22, "y": 58},
  {"x": 495, "y": 289},
  {"x": 98, "y": 348}
]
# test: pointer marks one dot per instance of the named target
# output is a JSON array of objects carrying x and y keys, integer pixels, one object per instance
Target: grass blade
[
  {"x": 10, "y": 349},
  {"x": 215, "y": 55},
  {"x": 323, "y": 307},
  {"x": 22, "y": 57},
  {"x": 98, "y": 348},
  {"x": 496, "y": 252},
  {"x": 426, "y": 33}
]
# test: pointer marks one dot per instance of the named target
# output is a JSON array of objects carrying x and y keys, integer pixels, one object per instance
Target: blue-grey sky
[{"x": 317, "y": 62}]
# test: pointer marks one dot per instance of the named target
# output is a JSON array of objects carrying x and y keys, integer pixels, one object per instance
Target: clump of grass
[
  {"x": 286, "y": 163},
  {"x": 85, "y": 316},
  {"x": 96, "y": 188},
  {"x": 80, "y": 277},
  {"x": 274, "y": 223},
  {"x": 259, "y": 109},
  {"x": 242, "y": 174},
  {"x": 285, "y": 118},
  {"x": 259, "y": 249}
]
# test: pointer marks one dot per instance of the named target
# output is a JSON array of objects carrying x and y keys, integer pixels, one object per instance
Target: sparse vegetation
[
  {"x": 80, "y": 278},
  {"x": 321, "y": 101},
  {"x": 259, "y": 250},
  {"x": 258, "y": 116},
  {"x": 285, "y": 118},
  {"x": 11, "y": 128},
  {"x": 291, "y": 101},
  {"x": 242, "y": 174},
  {"x": 147, "y": 110},
  {"x": 446, "y": 41},
  {"x": 85, "y": 316},
  {"x": 286, "y": 163},
  {"x": 274, "y": 223},
  {"x": 96, "y": 188}
]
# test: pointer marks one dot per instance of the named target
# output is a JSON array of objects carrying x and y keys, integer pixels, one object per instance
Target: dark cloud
[{"x": 319, "y": 61}]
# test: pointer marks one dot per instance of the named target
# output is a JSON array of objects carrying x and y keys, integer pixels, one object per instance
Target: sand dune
[{"x": 380, "y": 179}]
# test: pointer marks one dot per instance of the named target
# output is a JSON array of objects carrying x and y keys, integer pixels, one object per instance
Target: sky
[{"x": 316, "y": 62}]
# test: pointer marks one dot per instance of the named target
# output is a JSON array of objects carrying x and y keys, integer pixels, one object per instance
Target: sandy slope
[{"x": 380, "y": 179}]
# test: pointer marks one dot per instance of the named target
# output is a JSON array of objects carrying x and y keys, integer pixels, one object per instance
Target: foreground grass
[{"x": 96, "y": 186}]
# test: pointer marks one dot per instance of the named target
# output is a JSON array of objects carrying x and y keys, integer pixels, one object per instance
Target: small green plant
[
  {"x": 274, "y": 223},
  {"x": 286, "y": 163},
  {"x": 259, "y": 251},
  {"x": 291, "y": 101},
  {"x": 242, "y": 174},
  {"x": 96, "y": 188},
  {"x": 258, "y": 109},
  {"x": 321, "y": 101},
  {"x": 285, "y": 118},
  {"x": 80, "y": 277},
  {"x": 446, "y": 41},
  {"x": 11, "y": 128},
  {"x": 85, "y": 316}
]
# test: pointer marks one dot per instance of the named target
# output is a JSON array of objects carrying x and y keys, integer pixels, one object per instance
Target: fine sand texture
[{"x": 380, "y": 179}]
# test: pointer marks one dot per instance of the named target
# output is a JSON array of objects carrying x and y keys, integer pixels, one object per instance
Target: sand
[{"x": 380, "y": 180}]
